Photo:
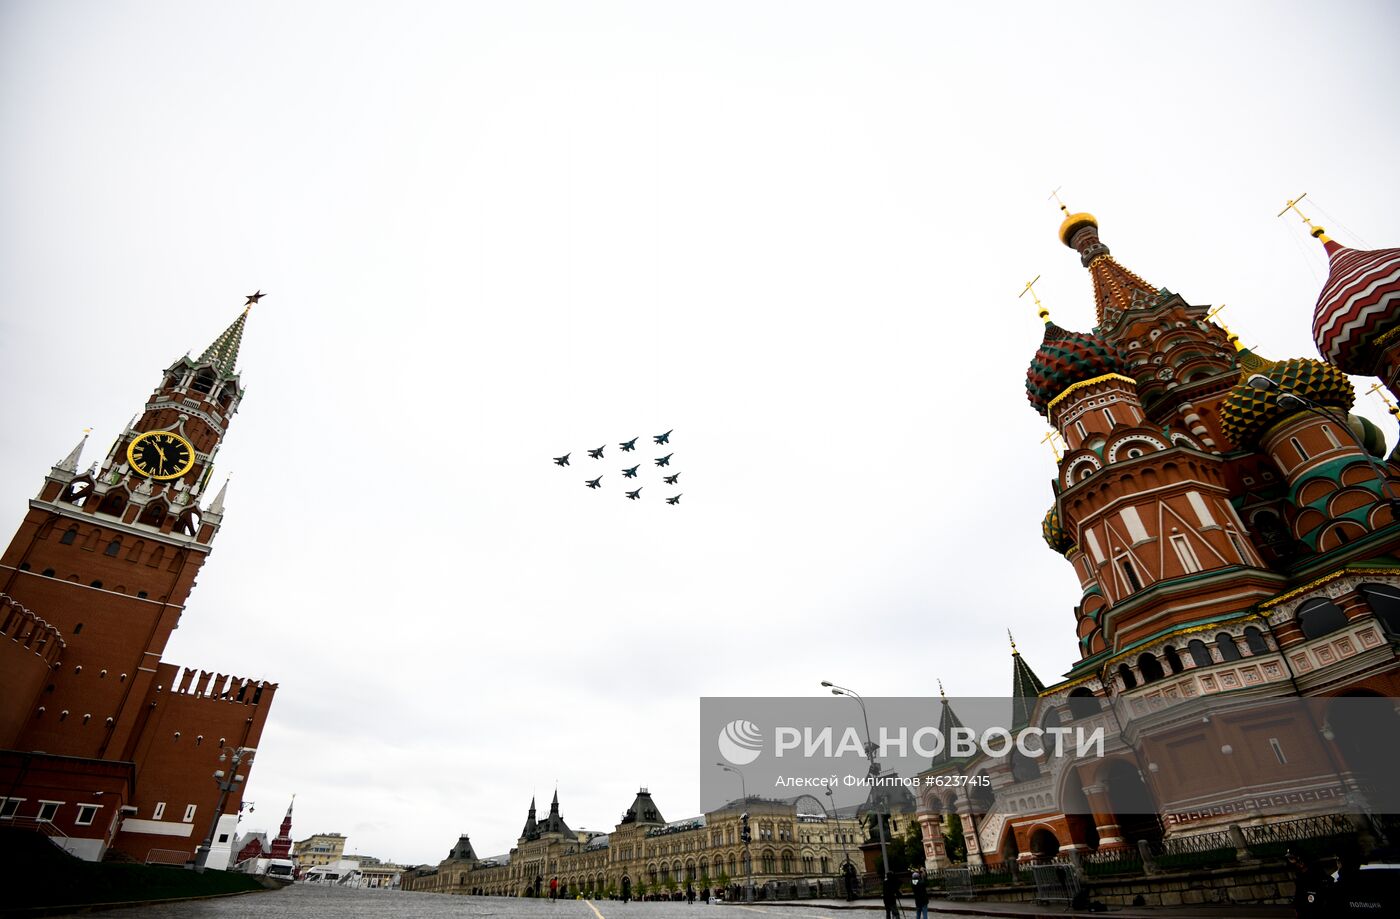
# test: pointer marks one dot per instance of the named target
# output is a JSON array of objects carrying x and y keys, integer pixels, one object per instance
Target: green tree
[{"x": 953, "y": 843}]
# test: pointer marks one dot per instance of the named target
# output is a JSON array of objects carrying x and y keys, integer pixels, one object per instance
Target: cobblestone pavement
[{"x": 303, "y": 901}]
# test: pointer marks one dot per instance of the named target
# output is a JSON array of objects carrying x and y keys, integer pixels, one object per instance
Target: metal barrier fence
[{"x": 1055, "y": 882}]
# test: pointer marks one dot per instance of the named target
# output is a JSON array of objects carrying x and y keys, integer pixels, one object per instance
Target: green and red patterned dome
[
  {"x": 1053, "y": 531},
  {"x": 1248, "y": 412},
  {"x": 1066, "y": 358}
]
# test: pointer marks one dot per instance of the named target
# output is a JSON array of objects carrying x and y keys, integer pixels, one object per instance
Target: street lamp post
[
  {"x": 870, "y": 749},
  {"x": 227, "y": 782},
  {"x": 744, "y": 832},
  {"x": 1286, "y": 397},
  {"x": 836, "y": 825}
]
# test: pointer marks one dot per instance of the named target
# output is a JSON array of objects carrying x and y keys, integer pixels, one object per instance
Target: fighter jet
[
  {"x": 630, "y": 473},
  {"x": 562, "y": 460},
  {"x": 596, "y": 454},
  {"x": 664, "y": 460},
  {"x": 629, "y": 446},
  {"x": 675, "y": 500},
  {"x": 634, "y": 495},
  {"x": 663, "y": 438},
  {"x": 594, "y": 483},
  {"x": 671, "y": 479}
]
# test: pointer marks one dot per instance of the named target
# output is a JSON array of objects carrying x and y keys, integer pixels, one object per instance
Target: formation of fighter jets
[{"x": 629, "y": 446}]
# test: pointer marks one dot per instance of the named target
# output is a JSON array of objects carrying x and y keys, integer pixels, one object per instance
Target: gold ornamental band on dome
[
  {"x": 1082, "y": 384},
  {"x": 1385, "y": 336}
]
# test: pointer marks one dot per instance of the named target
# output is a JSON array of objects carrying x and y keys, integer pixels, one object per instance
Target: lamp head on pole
[{"x": 1262, "y": 383}]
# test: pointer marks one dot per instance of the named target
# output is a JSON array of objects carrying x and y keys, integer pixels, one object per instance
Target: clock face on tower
[{"x": 160, "y": 455}]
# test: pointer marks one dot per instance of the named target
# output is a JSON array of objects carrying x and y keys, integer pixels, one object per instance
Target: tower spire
[
  {"x": 222, "y": 353},
  {"x": 70, "y": 462},
  {"x": 1116, "y": 289},
  {"x": 1026, "y": 688}
]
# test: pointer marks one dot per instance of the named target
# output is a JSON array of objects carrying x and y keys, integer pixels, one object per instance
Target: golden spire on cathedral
[
  {"x": 1313, "y": 229},
  {"x": 1012, "y": 639},
  {"x": 1040, "y": 309}
]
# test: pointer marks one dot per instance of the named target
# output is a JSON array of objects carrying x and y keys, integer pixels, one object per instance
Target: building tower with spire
[
  {"x": 282, "y": 844},
  {"x": 96, "y": 579},
  {"x": 1232, "y": 529}
]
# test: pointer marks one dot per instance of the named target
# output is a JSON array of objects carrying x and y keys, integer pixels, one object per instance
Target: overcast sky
[{"x": 492, "y": 233}]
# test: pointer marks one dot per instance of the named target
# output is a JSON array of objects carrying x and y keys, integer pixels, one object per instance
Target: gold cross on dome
[
  {"x": 1040, "y": 310},
  {"x": 1292, "y": 205},
  {"x": 1050, "y": 438},
  {"x": 1058, "y": 200},
  {"x": 1378, "y": 390}
]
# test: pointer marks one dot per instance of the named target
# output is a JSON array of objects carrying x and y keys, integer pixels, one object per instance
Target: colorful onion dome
[
  {"x": 1370, "y": 436},
  {"x": 1248, "y": 412},
  {"x": 1359, "y": 303},
  {"x": 1066, "y": 358},
  {"x": 1054, "y": 532}
]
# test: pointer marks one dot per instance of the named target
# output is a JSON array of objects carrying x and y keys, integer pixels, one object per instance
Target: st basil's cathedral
[{"x": 1233, "y": 527}]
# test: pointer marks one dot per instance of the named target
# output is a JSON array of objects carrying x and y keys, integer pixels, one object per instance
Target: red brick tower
[
  {"x": 94, "y": 582},
  {"x": 282, "y": 845}
]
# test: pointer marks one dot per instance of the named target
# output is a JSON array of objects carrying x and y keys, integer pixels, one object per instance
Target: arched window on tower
[
  {"x": 1200, "y": 654},
  {"x": 1173, "y": 659},
  {"x": 203, "y": 382},
  {"x": 1384, "y": 600},
  {"x": 1318, "y": 617},
  {"x": 1228, "y": 649},
  {"x": 1125, "y": 673},
  {"x": 113, "y": 504},
  {"x": 69, "y": 535},
  {"x": 1254, "y": 641},
  {"x": 1083, "y": 703},
  {"x": 113, "y": 547},
  {"x": 1150, "y": 668}
]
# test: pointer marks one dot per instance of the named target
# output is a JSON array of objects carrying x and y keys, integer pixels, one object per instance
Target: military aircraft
[
  {"x": 675, "y": 500},
  {"x": 594, "y": 483},
  {"x": 671, "y": 479},
  {"x": 596, "y": 454},
  {"x": 630, "y": 473},
  {"x": 562, "y": 460},
  {"x": 663, "y": 438},
  {"x": 629, "y": 446},
  {"x": 664, "y": 460},
  {"x": 634, "y": 495}
]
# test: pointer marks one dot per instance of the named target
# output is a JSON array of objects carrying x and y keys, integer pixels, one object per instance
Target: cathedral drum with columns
[
  {"x": 105, "y": 747},
  {"x": 1233, "y": 528}
]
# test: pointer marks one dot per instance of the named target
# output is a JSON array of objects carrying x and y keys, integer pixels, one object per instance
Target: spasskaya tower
[{"x": 102, "y": 740}]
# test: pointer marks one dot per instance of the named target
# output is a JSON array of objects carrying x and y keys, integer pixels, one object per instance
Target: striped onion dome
[
  {"x": 1359, "y": 303},
  {"x": 1053, "y": 531},
  {"x": 1248, "y": 412},
  {"x": 1066, "y": 358}
]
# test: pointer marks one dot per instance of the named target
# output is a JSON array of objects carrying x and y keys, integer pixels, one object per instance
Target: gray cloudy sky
[{"x": 496, "y": 232}]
